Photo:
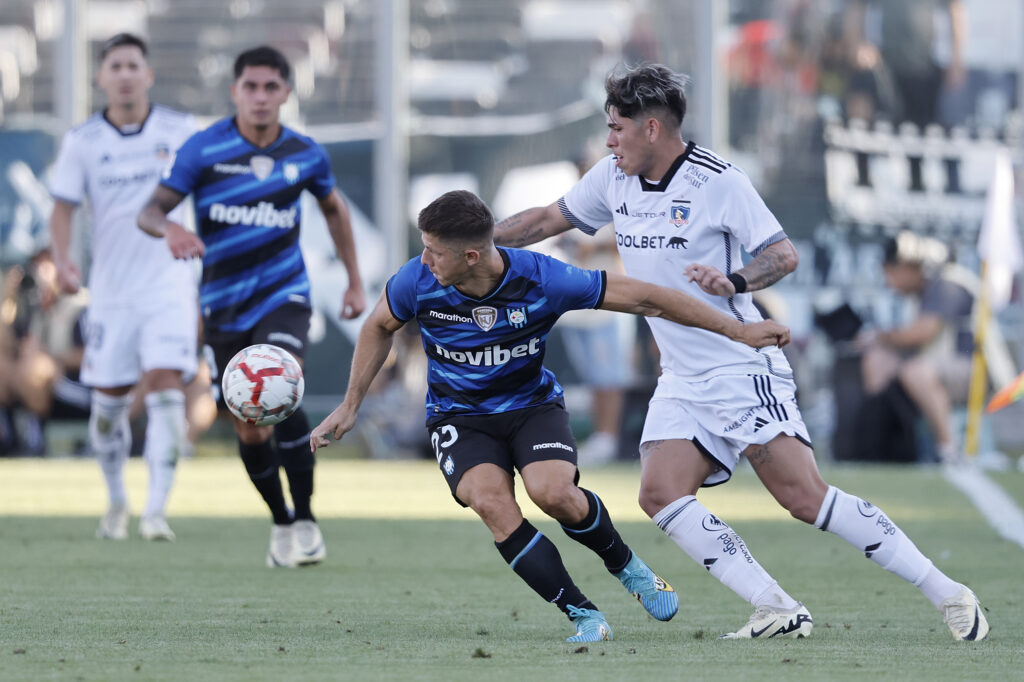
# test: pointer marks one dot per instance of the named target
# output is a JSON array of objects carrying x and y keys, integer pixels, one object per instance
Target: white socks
[
  {"x": 110, "y": 437},
  {"x": 166, "y": 440},
  {"x": 867, "y": 528},
  {"x": 717, "y": 547}
]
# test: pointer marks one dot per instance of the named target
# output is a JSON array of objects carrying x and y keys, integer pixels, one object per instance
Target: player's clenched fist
[
  {"x": 710, "y": 280},
  {"x": 766, "y": 333}
]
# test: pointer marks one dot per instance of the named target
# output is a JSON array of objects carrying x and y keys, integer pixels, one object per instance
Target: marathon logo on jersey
[
  {"x": 262, "y": 167},
  {"x": 680, "y": 213},
  {"x": 448, "y": 317},
  {"x": 491, "y": 356},
  {"x": 516, "y": 317},
  {"x": 485, "y": 316},
  {"x": 262, "y": 215}
]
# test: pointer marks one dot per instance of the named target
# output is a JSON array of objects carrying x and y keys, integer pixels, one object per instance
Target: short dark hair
[
  {"x": 456, "y": 217},
  {"x": 264, "y": 55},
  {"x": 120, "y": 40},
  {"x": 648, "y": 89}
]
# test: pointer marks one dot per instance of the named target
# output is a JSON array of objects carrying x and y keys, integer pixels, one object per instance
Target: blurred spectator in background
[
  {"x": 902, "y": 37},
  {"x": 929, "y": 357}
]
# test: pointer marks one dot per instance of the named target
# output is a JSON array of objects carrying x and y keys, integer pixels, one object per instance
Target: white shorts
[
  {"x": 724, "y": 415},
  {"x": 122, "y": 342}
]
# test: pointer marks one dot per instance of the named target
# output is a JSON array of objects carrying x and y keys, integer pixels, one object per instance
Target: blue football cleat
[
  {"x": 590, "y": 625},
  {"x": 656, "y": 595}
]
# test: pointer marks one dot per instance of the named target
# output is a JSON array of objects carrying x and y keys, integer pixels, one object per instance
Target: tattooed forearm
[
  {"x": 769, "y": 266},
  {"x": 516, "y": 231}
]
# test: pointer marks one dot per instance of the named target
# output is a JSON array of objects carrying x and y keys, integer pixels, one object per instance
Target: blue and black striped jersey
[
  {"x": 247, "y": 205},
  {"x": 485, "y": 356}
]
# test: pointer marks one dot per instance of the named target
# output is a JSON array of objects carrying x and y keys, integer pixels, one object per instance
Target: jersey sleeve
[
  {"x": 568, "y": 287},
  {"x": 744, "y": 214},
  {"x": 67, "y": 181},
  {"x": 585, "y": 206},
  {"x": 323, "y": 180},
  {"x": 182, "y": 174},
  {"x": 401, "y": 291}
]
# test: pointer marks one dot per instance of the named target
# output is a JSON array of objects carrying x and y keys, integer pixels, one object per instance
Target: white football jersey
[
  {"x": 117, "y": 172},
  {"x": 702, "y": 211}
]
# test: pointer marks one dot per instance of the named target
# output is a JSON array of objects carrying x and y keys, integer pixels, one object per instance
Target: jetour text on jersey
[
  {"x": 489, "y": 356},
  {"x": 263, "y": 215}
]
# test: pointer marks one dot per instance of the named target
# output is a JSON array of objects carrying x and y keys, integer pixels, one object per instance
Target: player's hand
[
  {"x": 709, "y": 279},
  {"x": 336, "y": 425},
  {"x": 69, "y": 277},
  {"x": 353, "y": 303},
  {"x": 766, "y": 333},
  {"x": 182, "y": 243}
]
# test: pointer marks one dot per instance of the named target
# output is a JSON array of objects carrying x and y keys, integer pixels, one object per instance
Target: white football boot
[
  {"x": 280, "y": 554},
  {"x": 769, "y": 622},
  {"x": 964, "y": 616},
  {"x": 114, "y": 524},
  {"x": 155, "y": 528},
  {"x": 308, "y": 547}
]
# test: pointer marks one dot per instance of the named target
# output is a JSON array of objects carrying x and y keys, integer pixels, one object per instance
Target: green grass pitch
[{"x": 413, "y": 588}]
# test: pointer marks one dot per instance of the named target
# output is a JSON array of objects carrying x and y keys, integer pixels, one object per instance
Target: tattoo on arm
[
  {"x": 766, "y": 269},
  {"x": 512, "y": 231}
]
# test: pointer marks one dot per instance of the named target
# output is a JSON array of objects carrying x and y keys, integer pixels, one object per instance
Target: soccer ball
[{"x": 263, "y": 385}]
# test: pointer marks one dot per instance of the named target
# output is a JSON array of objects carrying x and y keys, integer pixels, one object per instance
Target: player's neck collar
[
  {"x": 130, "y": 128},
  {"x": 277, "y": 138},
  {"x": 662, "y": 184}
]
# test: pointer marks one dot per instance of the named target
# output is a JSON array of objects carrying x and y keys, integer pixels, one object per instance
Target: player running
[
  {"x": 142, "y": 315},
  {"x": 484, "y": 315},
  {"x": 246, "y": 175},
  {"x": 681, "y": 215}
]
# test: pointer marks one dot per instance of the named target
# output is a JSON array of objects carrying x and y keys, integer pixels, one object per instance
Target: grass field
[{"x": 414, "y": 589}]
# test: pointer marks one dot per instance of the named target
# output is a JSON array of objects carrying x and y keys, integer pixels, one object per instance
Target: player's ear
[
  {"x": 652, "y": 129},
  {"x": 472, "y": 256}
]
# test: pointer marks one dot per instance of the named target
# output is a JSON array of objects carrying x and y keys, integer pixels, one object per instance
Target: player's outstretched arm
[
  {"x": 153, "y": 221},
  {"x": 69, "y": 277},
  {"x": 372, "y": 348},
  {"x": 767, "y": 268},
  {"x": 339, "y": 223},
  {"x": 627, "y": 295},
  {"x": 530, "y": 226}
]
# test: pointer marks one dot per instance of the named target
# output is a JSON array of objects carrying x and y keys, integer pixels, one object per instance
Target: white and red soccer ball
[{"x": 263, "y": 384}]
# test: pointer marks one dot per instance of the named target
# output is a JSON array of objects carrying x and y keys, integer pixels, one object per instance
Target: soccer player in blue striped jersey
[
  {"x": 246, "y": 175},
  {"x": 484, "y": 315}
]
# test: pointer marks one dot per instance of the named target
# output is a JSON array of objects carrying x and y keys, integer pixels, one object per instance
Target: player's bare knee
[
  {"x": 653, "y": 498},
  {"x": 554, "y": 498}
]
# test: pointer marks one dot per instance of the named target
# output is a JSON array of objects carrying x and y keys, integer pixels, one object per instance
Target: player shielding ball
[
  {"x": 484, "y": 315},
  {"x": 246, "y": 175},
  {"x": 681, "y": 215},
  {"x": 142, "y": 316}
]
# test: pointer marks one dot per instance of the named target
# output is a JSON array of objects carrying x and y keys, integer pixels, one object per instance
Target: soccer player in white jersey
[
  {"x": 143, "y": 310},
  {"x": 681, "y": 215}
]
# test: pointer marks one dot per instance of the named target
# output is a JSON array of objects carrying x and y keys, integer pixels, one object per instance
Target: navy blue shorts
[{"x": 510, "y": 440}]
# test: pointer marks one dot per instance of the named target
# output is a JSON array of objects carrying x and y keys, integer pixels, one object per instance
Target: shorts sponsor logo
[
  {"x": 546, "y": 446},
  {"x": 284, "y": 338},
  {"x": 263, "y": 214},
  {"x": 741, "y": 421},
  {"x": 491, "y": 356}
]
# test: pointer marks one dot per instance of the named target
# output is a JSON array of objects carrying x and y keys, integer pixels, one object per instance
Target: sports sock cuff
[
  {"x": 516, "y": 544},
  {"x": 168, "y": 397},
  {"x": 593, "y": 516},
  {"x": 827, "y": 506},
  {"x": 111, "y": 403},
  {"x": 668, "y": 516}
]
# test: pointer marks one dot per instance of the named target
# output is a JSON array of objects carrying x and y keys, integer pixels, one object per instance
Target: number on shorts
[{"x": 447, "y": 431}]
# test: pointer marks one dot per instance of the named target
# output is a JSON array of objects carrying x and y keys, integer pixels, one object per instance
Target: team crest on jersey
[
  {"x": 262, "y": 166},
  {"x": 516, "y": 316},
  {"x": 680, "y": 213},
  {"x": 485, "y": 316},
  {"x": 162, "y": 150},
  {"x": 291, "y": 173}
]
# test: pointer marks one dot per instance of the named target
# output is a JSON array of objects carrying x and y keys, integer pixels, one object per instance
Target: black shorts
[
  {"x": 510, "y": 440},
  {"x": 286, "y": 327}
]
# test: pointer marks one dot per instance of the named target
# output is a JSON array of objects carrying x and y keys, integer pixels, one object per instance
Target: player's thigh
[
  {"x": 286, "y": 327},
  {"x": 168, "y": 335},
  {"x": 787, "y": 468},
  {"x": 111, "y": 356},
  {"x": 489, "y": 491},
  {"x": 462, "y": 443},
  {"x": 670, "y": 469}
]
